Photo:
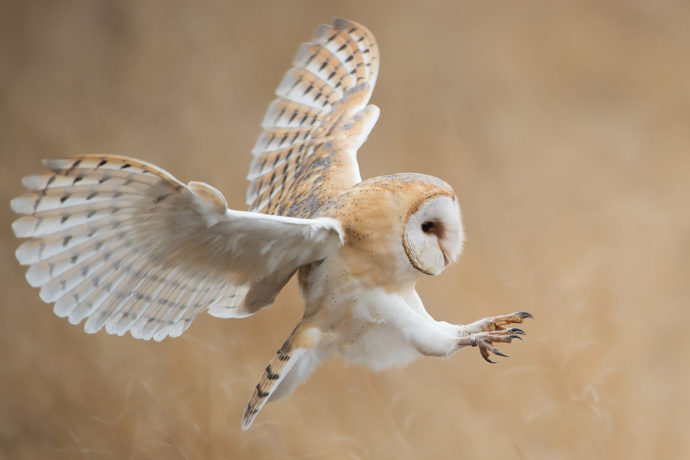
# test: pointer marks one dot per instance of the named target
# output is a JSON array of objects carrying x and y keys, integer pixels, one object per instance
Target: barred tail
[{"x": 278, "y": 368}]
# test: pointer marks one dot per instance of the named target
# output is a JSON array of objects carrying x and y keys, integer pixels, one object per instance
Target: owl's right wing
[
  {"x": 307, "y": 151},
  {"x": 126, "y": 245}
]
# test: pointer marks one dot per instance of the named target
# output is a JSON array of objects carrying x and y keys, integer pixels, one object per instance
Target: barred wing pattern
[
  {"x": 307, "y": 151},
  {"x": 126, "y": 245}
]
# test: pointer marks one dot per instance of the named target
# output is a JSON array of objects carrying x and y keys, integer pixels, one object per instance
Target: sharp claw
[
  {"x": 513, "y": 336},
  {"x": 483, "y": 349},
  {"x": 516, "y": 330},
  {"x": 524, "y": 314},
  {"x": 499, "y": 353}
]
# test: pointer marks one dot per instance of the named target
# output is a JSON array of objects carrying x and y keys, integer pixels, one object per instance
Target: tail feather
[{"x": 277, "y": 369}]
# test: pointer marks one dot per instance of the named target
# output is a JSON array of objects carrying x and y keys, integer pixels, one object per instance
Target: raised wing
[
  {"x": 126, "y": 245},
  {"x": 307, "y": 151}
]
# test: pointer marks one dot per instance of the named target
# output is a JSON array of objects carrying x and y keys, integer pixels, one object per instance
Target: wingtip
[
  {"x": 302, "y": 55},
  {"x": 19, "y": 228},
  {"x": 24, "y": 254},
  {"x": 325, "y": 30},
  {"x": 55, "y": 164},
  {"x": 22, "y": 204},
  {"x": 33, "y": 182},
  {"x": 321, "y": 32},
  {"x": 341, "y": 23}
]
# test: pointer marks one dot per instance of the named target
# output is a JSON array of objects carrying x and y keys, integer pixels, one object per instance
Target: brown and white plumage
[
  {"x": 307, "y": 151},
  {"x": 124, "y": 245}
]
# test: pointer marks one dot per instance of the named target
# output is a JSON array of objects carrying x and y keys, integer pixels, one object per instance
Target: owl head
[{"x": 401, "y": 226}]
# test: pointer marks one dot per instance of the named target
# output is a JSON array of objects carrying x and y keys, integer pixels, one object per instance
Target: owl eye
[{"x": 427, "y": 226}]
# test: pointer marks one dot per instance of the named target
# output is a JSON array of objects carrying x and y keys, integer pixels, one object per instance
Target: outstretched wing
[
  {"x": 307, "y": 151},
  {"x": 126, "y": 245}
]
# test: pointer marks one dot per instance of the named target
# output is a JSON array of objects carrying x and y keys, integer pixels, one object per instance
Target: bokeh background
[{"x": 563, "y": 126}]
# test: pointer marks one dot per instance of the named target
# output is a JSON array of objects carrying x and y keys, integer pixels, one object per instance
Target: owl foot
[{"x": 485, "y": 332}]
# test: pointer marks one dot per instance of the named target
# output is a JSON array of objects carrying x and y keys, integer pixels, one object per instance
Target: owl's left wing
[
  {"x": 307, "y": 151},
  {"x": 126, "y": 245}
]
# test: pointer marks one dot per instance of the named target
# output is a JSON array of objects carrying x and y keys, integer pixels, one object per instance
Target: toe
[
  {"x": 524, "y": 314},
  {"x": 498, "y": 352},
  {"x": 485, "y": 354}
]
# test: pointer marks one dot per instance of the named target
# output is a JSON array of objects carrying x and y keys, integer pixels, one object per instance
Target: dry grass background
[{"x": 563, "y": 126}]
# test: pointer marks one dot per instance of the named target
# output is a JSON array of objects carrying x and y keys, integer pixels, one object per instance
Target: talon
[
  {"x": 513, "y": 336},
  {"x": 488, "y": 360},
  {"x": 524, "y": 314},
  {"x": 485, "y": 354},
  {"x": 516, "y": 330},
  {"x": 498, "y": 352}
]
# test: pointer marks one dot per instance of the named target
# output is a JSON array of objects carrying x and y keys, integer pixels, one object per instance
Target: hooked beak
[{"x": 446, "y": 260}]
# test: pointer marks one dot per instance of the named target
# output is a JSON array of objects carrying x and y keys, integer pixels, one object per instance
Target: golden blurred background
[{"x": 563, "y": 126}]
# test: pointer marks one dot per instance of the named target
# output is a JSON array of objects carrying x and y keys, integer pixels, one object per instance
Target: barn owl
[{"x": 124, "y": 245}]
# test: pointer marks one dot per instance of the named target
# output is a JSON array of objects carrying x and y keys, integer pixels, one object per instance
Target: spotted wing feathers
[
  {"x": 307, "y": 151},
  {"x": 126, "y": 246}
]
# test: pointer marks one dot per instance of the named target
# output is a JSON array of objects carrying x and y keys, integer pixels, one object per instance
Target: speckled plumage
[
  {"x": 307, "y": 151},
  {"x": 127, "y": 247}
]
